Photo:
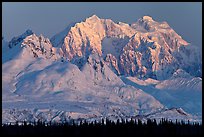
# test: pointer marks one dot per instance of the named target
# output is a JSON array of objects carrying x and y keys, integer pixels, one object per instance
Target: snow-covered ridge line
[
  {"x": 58, "y": 116},
  {"x": 146, "y": 48}
]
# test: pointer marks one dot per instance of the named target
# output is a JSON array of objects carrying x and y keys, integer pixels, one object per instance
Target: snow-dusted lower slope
[
  {"x": 174, "y": 114},
  {"x": 71, "y": 111},
  {"x": 57, "y": 90},
  {"x": 181, "y": 90},
  {"x": 38, "y": 82}
]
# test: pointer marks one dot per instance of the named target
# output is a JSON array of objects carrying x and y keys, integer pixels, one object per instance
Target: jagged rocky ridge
[{"x": 145, "y": 48}]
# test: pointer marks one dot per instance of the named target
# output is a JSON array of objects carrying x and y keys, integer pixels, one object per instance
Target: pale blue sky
[{"x": 51, "y": 18}]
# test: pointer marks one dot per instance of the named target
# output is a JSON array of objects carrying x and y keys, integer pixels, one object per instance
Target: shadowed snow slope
[{"x": 184, "y": 92}]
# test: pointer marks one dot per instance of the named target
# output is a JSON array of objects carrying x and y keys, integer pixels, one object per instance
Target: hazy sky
[{"x": 51, "y": 18}]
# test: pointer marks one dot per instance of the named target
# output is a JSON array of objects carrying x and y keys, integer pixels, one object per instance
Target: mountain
[
  {"x": 144, "y": 49},
  {"x": 98, "y": 68},
  {"x": 32, "y": 78}
]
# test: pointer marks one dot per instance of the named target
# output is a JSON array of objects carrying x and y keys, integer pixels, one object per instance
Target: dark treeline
[{"x": 106, "y": 128}]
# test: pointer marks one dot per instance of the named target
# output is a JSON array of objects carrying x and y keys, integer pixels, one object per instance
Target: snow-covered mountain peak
[
  {"x": 147, "y": 18},
  {"x": 34, "y": 38},
  {"x": 132, "y": 46},
  {"x": 93, "y": 18},
  {"x": 29, "y": 45},
  {"x": 147, "y": 23},
  {"x": 40, "y": 46}
]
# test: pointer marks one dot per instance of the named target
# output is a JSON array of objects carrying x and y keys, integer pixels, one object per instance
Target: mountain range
[{"x": 101, "y": 69}]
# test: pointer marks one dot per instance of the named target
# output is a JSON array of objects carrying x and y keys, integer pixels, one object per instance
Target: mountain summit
[
  {"x": 147, "y": 18},
  {"x": 93, "y": 18},
  {"x": 145, "y": 48}
]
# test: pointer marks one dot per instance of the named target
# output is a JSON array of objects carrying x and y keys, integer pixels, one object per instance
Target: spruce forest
[{"x": 105, "y": 128}]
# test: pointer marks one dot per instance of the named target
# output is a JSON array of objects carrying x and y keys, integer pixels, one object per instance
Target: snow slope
[
  {"x": 177, "y": 91},
  {"x": 31, "y": 79}
]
